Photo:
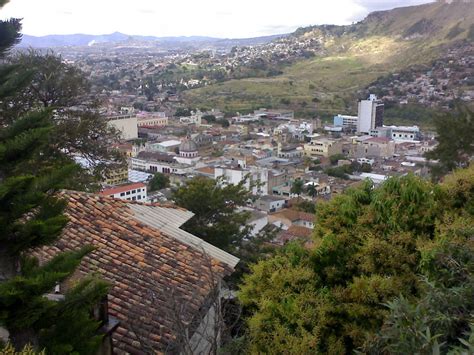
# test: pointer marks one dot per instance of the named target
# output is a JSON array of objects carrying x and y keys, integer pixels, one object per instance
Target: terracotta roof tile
[{"x": 143, "y": 264}]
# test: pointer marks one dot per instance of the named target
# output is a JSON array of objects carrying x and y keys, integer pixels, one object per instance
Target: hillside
[{"x": 351, "y": 58}]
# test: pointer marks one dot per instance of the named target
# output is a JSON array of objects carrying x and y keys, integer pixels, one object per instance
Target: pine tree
[{"x": 32, "y": 171}]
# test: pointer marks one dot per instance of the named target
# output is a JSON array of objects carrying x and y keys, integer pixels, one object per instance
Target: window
[
  {"x": 134, "y": 191},
  {"x": 134, "y": 198},
  {"x": 128, "y": 192},
  {"x": 139, "y": 197},
  {"x": 122, "y": 194}
]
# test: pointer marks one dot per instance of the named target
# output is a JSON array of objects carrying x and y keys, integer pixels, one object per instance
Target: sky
[{"x": 215, "y": 18}]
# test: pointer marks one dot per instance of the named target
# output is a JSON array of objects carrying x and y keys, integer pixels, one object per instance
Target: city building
[
  {"x": 405, "y": 133},
  {"x": 322, "y": 147},
  {"x": 370, "y": 114},
  {"x": 270, "y": 203},
  {"x": 116, "y": 175},
  {"x": 346, "y": 122},
  {"x": 152, "y": 120},
  {"x": 157, "y": 162},
  {"x": 125, "y": 124},
  {"x": 188, "y": 152},
  {"x": 130, "y": 192},
  {"x": 379, "y": 147}
]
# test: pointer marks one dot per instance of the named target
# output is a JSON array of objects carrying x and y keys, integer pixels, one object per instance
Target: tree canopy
[
  {"x": 158, "y": 181},
  {"x": 214, "y": 205},
  {"x": 379, "y": 254},
  {"x": 33, "y": 168}
]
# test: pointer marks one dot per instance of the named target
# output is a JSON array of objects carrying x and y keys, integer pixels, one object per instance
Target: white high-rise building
[{"x": 370, "y": 114}]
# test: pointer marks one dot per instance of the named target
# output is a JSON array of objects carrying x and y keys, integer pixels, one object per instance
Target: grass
[
  {"x": 332, "y": 80},
  {"x": 329, "y": 85}
]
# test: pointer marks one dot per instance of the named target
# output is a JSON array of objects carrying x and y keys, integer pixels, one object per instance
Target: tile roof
[
  {"x": 122, "y": 188},
  {"x": 293, "y": 233},
  {"x": 146, "y": 257}
]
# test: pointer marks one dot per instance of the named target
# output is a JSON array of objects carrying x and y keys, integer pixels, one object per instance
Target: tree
[
  {"x": 214, "y": 204},
  {"x": 31, "y": 215},
  {"x": 311, "y": 190},
  {"x": 158, "y": 181},
  {"x": 224, "y": 123},
  {"x": 297, "y": 187},
  {"x": 9, "y": 33},
  {"x": 335, "y": 158},
  {"x": 47, "y": 82},
  {"x": 370, "y": 246},
  {"x": 456, "y": 140},
  {"x": 209, "y": 118}
]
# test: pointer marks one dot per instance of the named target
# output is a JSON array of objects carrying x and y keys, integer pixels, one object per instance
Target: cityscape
[{"x": 309, "y": 192}]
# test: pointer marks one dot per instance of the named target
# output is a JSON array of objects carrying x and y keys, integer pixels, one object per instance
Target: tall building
[{"x": 370, "y": 114}]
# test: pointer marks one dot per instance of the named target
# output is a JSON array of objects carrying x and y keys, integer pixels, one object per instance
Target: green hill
[{"x": 352, "y": 57}]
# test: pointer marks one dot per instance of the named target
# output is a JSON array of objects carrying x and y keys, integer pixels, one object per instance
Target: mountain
[
  {"x": 348, "y": 59},
  {"x": 76, "y": 40}
]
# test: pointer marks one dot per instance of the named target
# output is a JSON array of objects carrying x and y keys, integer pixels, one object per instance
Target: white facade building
[
  {"x": 370, "y": 114},
  {"x": 130, "y": 192},
  {"x": 126, "y": 125}
]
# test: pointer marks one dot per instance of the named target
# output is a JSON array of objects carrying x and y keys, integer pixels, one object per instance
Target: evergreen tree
[
  {"x": 32, "y": 170},
  {"x": 455, "y": 138},
  {"x": 214, "y": 206}
]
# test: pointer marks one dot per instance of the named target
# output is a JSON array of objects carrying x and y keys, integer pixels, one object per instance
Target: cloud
[{"x": 216, "y": 18}]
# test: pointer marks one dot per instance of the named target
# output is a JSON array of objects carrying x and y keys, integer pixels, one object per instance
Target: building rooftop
[
  {"x": 148, "y": 260},
  {"x": 170, "y": 143},
  {"x": 122, "y": 188}
]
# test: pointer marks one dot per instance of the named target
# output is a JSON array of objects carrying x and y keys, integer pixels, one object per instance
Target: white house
[{"x": 130, "y": 192}]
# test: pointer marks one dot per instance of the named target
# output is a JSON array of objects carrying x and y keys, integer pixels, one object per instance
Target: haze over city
[{"x": 223, "y": 19}]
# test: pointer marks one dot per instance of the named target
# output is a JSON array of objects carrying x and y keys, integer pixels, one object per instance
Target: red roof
[{"x": 122, "y": 188}]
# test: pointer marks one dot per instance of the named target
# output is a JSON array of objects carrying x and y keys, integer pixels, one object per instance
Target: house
[
  {"x": 152, "y": 120},
  {"x": 288, "y": 217},
  {"x": 380, "y": 147},
  {"x": 153, "y": 267},
  {"x": 270, "y": 203},
  {"x": 258, "y": 221},
  {"x": 322, "y": 147},
  {"x": 130, "y": 192}
]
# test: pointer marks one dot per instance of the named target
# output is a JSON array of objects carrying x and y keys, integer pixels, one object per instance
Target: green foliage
[
  {"x": 340, "y": 172},
  {"x": 34, "y": 166},
  {"x": 183, "y": 112},
  {"x": 158, "y": 181},
  {"x": 30, "y": 174},
  {"x": 209, "y": 118},
  {"x": 410, "y": 114},
  {"x": 224, "y": 122},
  {"x": 9, "y": 35},
  {"x": 456, "y": 140},
  {"x": 68, "y": 327},
  {"x": 306, "y": 206},
  {"x": 297, "y": 187},
  {"x": 335, "y": 158},
  {"x": 214, "y": 205},
  {"x": 361, "y": 283},
  {"x": 27, "y": 350}
]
